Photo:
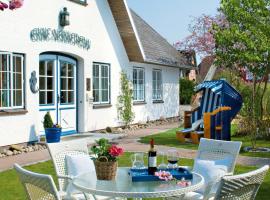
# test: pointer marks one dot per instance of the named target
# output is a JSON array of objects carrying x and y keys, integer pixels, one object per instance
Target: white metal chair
[
  {"x": 243, "y": 186},
  {"x": 237, "y": 187},
  {"x": 37, "y": 186},
  {"x": 58, "y": 152},
  {"x": 210, "y": 149}
]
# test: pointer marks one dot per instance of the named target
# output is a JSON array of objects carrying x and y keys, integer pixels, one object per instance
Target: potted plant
[
  {"x": 52, "y": 131},
  {"x": 105, "y": 160}
]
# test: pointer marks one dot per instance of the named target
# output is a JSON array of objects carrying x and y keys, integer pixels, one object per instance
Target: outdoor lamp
[{"x": 64, "y": 17}]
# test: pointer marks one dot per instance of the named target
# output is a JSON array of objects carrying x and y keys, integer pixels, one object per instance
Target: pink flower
[
  {"x": 115, "y": 151},
  {"x": 3, "y": 5},
  {"x": 163, "y": 175},
  {"x": 184, "y": 183},
  {"x": 13, "y": 4}
]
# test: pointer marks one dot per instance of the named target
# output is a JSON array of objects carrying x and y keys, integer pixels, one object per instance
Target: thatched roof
[{"x": 142, "y": 42}]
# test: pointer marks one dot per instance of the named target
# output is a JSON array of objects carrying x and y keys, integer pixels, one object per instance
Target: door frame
[{"x": 56, "y": 55}]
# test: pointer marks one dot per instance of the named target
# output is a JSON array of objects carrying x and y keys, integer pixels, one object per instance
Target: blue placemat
[{"x": 138, "y": 175}]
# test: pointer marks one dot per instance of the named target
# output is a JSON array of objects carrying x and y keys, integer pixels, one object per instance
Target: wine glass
[
  {"x": 162, "y": 165},
  {"x": 172, "y": 158}
]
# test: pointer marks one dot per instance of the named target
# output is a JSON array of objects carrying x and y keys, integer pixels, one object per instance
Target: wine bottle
[{"x": 152, "y": 159}]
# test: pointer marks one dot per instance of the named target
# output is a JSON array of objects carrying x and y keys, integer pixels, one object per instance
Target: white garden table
[{"x": 122, "y": 186}]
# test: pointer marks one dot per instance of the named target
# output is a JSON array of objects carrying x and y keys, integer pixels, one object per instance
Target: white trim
[
  {"x": 10, "y": 80},
  {"x": 161, "y": 88},
  {"x": 100, "y": 102},
  {"x": 135, "y": 29},
  {"x": 139, "y": 68}
]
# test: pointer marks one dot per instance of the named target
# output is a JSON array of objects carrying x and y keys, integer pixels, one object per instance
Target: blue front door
[{"x": 57, "y": 91}]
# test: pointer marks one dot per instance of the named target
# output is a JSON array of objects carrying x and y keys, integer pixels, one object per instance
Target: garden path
[{"x": 129, "y": 143}]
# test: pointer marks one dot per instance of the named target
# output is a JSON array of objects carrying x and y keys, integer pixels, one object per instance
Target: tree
[
  {"x": 244, "y": 42},
  {"x": 124, "y": 106},
  {"x": 11, "y": 4},
  {"x": 201, "y": 38}
]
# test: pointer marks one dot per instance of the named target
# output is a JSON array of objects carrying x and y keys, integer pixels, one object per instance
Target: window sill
[
  {"x": 157, "y": 101},
  {"x": 139, "y": 103},
  {"x": 13, "y": 112},
  {"x": 79, "y": 2},
  {"x": 100, "y": 106}
]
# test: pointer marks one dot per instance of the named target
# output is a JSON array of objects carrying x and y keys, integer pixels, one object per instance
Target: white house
[{"x": 73, "y": 70}]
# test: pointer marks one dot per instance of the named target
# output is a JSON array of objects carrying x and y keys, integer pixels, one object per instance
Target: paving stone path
[{"x": 129, "y": 143}]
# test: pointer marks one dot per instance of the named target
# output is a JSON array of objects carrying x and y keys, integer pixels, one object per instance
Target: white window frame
[
  {"x": 100, "y": 83},
  {"x": 155, "y": 85},
  {"x": 138, "y": 69},
  {"x": 10, "y": 80}
]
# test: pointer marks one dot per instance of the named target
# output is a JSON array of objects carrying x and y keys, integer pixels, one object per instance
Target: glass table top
[{"x": 123, "y": 186}]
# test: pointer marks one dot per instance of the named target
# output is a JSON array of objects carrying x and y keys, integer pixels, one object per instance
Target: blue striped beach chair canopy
[{"x": 219, "y": 93}]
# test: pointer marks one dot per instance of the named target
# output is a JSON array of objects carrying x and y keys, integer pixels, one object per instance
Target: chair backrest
[
  {"x": 217, "y": 149},
  {"x": 37, "y": 186},
  {"x": 58, "y": 152},
  {"x": 243, "y": 186}
]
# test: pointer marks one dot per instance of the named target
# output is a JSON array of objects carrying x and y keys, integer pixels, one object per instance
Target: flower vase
[{"x": 106, "y": 170}]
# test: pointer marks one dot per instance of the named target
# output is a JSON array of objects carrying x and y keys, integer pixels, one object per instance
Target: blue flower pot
[{"x": 53, "y": 135}]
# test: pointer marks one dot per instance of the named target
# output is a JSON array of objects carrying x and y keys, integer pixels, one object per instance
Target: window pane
[
  {"x": 5, "y": 98},
  {"x": 96, "y": 95},
  {"x": 42, "y": 97},
  {"x": 96, "y": 71},
  {"x": 4, "y": 62},
  {"x": 104, "y": 83},
  {"x": 18, "y": 61},
  {"x": 104, "y": 71},
  {"x": 70, "y": 70},
  {"x": 63, "y": 69},
  {"x": 134, "y": 74},
  {"x": 42, "y": 68},
  {"x": 49, "y": 83},
  {"x": 50, "y": 97},
  {"x": 17, "y": 97},
  {"x": 63, "y": 97},
  {"x": 18, "y": 81},
  {"x": 50, "y": 68},
  {"x": 70, "y": 97},
  {"x": 95, "y": 83},
  {"x": 70, "y": 84},
  {"x": 41, "y": 83},
  {"x": 5, "y": 79},
  {"x": 105, "y": 96},
  {"x": 141, "y": 74},
  {"x": 63, "y": 84}
]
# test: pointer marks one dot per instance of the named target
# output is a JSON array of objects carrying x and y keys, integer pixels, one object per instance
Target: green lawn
[
  {"x": 11, "y": 189},
  {"x": 168, "y": 138}
]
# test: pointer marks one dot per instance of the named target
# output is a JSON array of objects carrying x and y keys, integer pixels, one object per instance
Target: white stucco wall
[
  {"x": 170, "y": 107},
  {"x": 95, "y": 22}
]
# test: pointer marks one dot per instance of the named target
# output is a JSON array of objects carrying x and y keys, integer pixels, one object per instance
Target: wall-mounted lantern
[{"x": 64, "y": 17}]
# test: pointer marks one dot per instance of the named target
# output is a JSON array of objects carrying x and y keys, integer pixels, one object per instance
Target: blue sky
[{"x": 172, "y": 17}]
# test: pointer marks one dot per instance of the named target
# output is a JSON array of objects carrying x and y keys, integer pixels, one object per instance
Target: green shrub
[
  {"x": 186, "y": 90},
  {"x": 48, "y": 122}
]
